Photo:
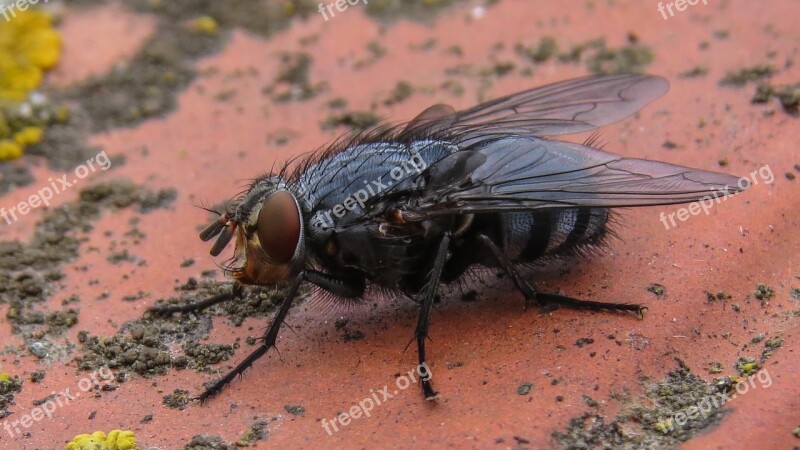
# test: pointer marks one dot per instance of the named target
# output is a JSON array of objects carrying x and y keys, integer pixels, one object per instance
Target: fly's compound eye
[{"x": 279, "y": 226}]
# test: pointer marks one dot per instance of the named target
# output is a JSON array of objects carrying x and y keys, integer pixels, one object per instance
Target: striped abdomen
[{"x": 529, "y": 235}]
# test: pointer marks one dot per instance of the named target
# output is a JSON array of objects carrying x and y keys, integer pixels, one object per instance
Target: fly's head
[{"x": 268, "y": 226}]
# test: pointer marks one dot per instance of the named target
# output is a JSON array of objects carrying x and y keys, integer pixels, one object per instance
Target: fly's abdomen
[{"x": 530, "y": 235}]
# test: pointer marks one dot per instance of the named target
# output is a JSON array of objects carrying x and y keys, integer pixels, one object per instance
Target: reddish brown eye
[{"x": 279, "y": 226}]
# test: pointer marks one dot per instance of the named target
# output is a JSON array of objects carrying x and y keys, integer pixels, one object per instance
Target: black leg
[
  {"x": 555, "y": 301},
  {"x": 428, "y": 294},
  {"x": 327, "y": 282},
  {"x": 268, "y": 341},
  {"x": 548, "y": 302},
  {"x": 236, "y": 292}
]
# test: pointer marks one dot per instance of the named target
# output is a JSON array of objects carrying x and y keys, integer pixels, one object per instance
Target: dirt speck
[
  {"x": 179, "y": 399},
  {"x": 788, "y": 95},
  {"x": 657, "y": 289},
  {"x": 295, "y": 410},
  {"x": 763, "y": 293},
  {"x": 355, "y": 120},
  {"x": 740, "y": 77}
]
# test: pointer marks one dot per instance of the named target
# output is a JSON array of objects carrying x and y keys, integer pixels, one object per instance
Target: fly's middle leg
[{"x": 548, "y": 302}]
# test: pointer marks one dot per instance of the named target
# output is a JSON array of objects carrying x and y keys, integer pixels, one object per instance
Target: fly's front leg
[
  {"x": 546, "y": 301},
  {"x": 344, "y": 288},
  {"x": 268, "y": 341},
  {"x": 236, "y": 292},
  {"x": 428, "y": 294}
]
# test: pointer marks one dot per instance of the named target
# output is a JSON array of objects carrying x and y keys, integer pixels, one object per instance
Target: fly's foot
[
  {"x": 550, "y": 302},
  {"x": 427, "y": 390}
]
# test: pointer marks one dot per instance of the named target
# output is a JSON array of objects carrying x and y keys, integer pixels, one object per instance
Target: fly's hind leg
[
  {"x": 555, "y": 301},
  {"x": 549, "y": 302}
]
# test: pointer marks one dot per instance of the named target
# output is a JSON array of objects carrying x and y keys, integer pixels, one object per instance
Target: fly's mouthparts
[{"x": 224, "y": 238}]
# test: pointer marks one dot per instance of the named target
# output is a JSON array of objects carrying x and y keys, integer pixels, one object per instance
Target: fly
[{"x": 412, "y": 207}]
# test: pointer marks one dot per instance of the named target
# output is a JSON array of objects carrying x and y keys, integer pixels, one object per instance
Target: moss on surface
[
  {"x": 640, "y": 425},
  {"x": 788, "y": 95},
  {"x": 545, "y": 49},
  {"x": 147, "y": 85},
  {"x": 9, "y": 386},
  {"x": 354, "y": 120},
  {"x": 140, "y": 351},
  {"x": 29, "y": 270},
  {"x": 179, "y": 399},
  {"x": 740, "y": 77},
  {"x": 254, "y": 433}
]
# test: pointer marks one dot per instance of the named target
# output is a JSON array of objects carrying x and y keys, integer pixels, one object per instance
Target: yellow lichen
[
  {"x": 115, "y": 440},
  {"x": 28, "y": 46},
  {"x": 28, "y": 136},
  {"x": 9, "y": 149},
  {"x": 204, "y": 24},
  {"x": 5, "y": 129},
  {"x": 4, "y": 377},
  {"x": 62, "y": 114}
]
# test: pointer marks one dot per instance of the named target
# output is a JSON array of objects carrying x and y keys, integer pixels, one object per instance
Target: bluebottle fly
[{"x": 409, "y": 208}]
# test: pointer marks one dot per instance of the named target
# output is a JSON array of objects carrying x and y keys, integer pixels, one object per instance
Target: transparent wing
[
  {"x": 570, "y": 106},
  {"x": 523, "y": 173}
]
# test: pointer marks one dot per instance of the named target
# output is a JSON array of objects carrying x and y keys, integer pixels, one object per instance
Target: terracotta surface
[
  {"x": 208, "y": 148},
  {"x": 96, "y": 39}
]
